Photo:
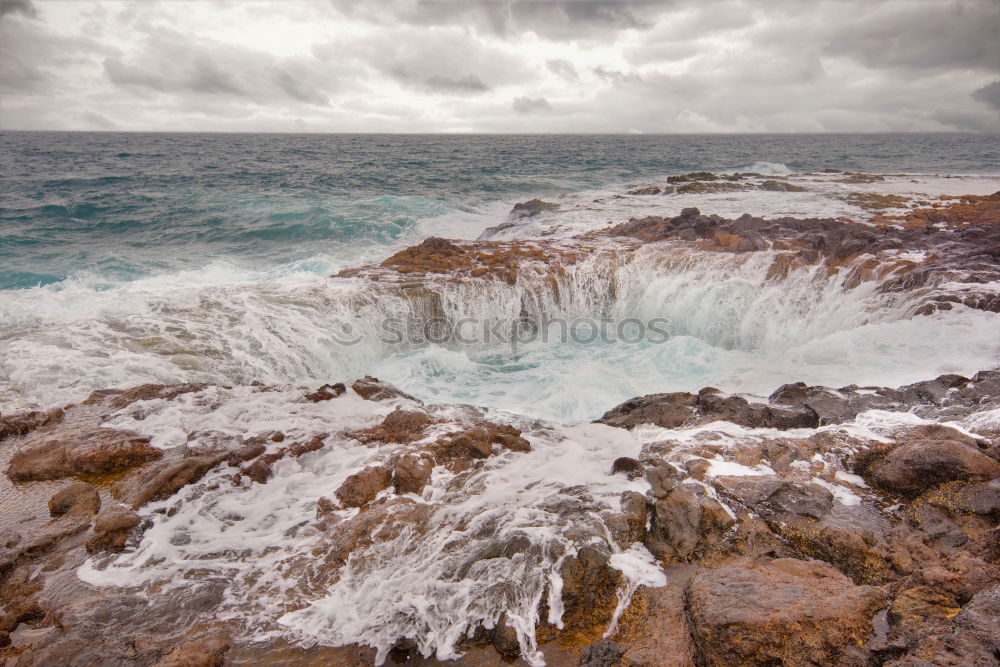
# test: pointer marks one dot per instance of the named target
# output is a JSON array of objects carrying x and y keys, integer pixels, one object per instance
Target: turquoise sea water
[{"x": 129, "y": 258}]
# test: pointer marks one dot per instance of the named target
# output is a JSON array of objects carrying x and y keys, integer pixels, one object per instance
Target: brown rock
[
  {"x": 112, "y": 528},
  {"x": 666, "y": 410},
  {"x": 22, "y": 423},
  {"x": 95, "y": 451},
  {"x": 163, "y": 479},
  {"x": 781, "y": 186},
  {"x": 625, "y": 465},
  {"x": 361, "y": 488},
  {"x": 654, "y": 627},
  {"x": 589, "y": 585},
  {"x": 400, "y": 425},
  {"x": 75, "y": 498},
  {"x": 915, "y": 467},
  {"x": 208, "y": 651},
  {"x": 411, "y": 473},
  {"x": 783, "y": 611},
  {"x": 326, "y": 392},
  {"x": 372, "y": 389},
  {"x": 687, "y": 523}
]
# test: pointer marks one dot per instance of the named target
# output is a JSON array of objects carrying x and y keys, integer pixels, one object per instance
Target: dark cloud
[
  {"x": 175, "y": 64},
  {"x": 553, "y": 19},
  {"x": 22, "y": 7},
  {"x": 989, "y": 94},
  {"x": 531, "y": 104}
]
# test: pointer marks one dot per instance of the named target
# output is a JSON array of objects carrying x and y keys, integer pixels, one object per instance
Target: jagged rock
[
  {"x": 22, "y": 423},
  {"x": 531, "y": 208},
  {"x": 692, "y": 176},
  {"x": 915, "y": 467},
  {"x": 75, "y": 498},
  {"x": 981, "y": 498},
  {"x": 112, "y": 528},
  {"x": 361, "y": 488},
  {"x": 655, "y": 627},
  {"x": 260, "y": 469},
  {"x": 400, "y": 425},
  {"x": 629, "y": 526},
  {"x": 680, "y": 409},
  {"x": 477, "y": 441},
  {"x": 589, "y": 585},
  {"x": 94, "y": 451},
  {"x": 783, "y": 611},
  {"x": 667, "y": 410},
  {"x": 649, "y": 190},
  {"x": 163, "y": 479},
  {"x": 687, "y": 522},
  {"x": 372, "y": 389},
  {"x": 411, "y": 473},
  {"x": 326, "y": 392},
  {"x": 663, "y": 478}
]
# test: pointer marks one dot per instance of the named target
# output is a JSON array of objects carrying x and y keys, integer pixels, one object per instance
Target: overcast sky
[{"x": 449, "y": 66}]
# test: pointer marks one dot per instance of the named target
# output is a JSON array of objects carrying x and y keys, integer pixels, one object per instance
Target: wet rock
[
  {"x": 411, "y": 473},
  {"x": 915, "y": 467},
  {"x": 260, "y": 469},
  {"x": 649, "y": 190},
  {"x": 361, "y": 488},
  {"x": 372, "y": 389},
  {"x": 22, "y": 423},
  {"x": 531, "y": 208},
  {"x": 692, "y": 176},
  {"x": 655, "y": 627},
  {"x": 163, "y": 479},
  {"x": 687, "y": 523},
  {"x": 627, "y": 466},
  {"x": 400, "y": 425},
  {"x": 326, "y": 392},
  {"x": 982, "y": 498},
  {"x": 504, "y": 638},
  {"x": 663, "y": 478},
  {"x": 629, "y": 526},
  {"x": 604, "y": 653},
  {"x": 589, "y": 585},
  {"x": 701, "y": 187},
  {"x": 783, "y": 611},
  {"x": 112, "y": 528},
  {"x": 781, "y": 186},
  {"x": 208, "y": 651},
  {"x": 667, "y": 410},
  {"x": 478, "y": 440},
  {"x": 75, "y": 498},
  {"x": 93, "y": 452}
]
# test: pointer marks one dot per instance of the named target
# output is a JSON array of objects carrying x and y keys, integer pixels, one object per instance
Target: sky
[{"x": 681, "y": 66}]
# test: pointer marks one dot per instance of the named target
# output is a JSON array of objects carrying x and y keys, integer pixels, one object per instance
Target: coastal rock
[
  {"x": 22, "y": 423},
  {"x": 478, "y": 440},
  {"x": 627, "y": 466},
  {"x": 687, "y": 523},
  {"x": 92, "y": 452},
  {"x": 411, "y": 473},
  {"x": 681, "y": 409},
  {"x": 604, "y": 653},
  {"x": 780, "y": 186},
  {"x": 655, "y": 628},
  {"x": 531, "y": 208},
  {"x": 784, "y": 611},
  {"x": 162, "y": 479},
  {"x": 326, "y": 392},
  {"x": 401, "y": 426},
  {"x": 75, "y": 498},
  {"x": 372, "y": 389},
  {"x": 112, "y": 528},
  {"x": 915, "y": 467},
  {"x": 361, "y": 488},
  {"x": 589, "y": 585},
  {"x": 208, "y": 651}
]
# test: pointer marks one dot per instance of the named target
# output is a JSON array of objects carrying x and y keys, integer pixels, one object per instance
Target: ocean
[{"x": 128, "y": 258}]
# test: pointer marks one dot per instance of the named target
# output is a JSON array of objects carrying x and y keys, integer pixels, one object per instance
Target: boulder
[
  {"x": 666, "y": 410},
  {"x": 603, "y": 653},
  {"x": 326, "y": 392},
  {"x": 361, "y": 488},
  {"x": 75, "y": 498},
  {"x": 112, "y": 528},
  {"x": 915, "y": 467},
  {"x": 91, "y": 452},
  {"x": 372, "y": 389},
  {"x": 21, "y": 423},
  {"x": 780, "y": 186},
  {"x": 625, "y": 465},
  {"x": 784, "y": 611},
  {"x": 531, "y": 208},
  {"x": 687, "y": 523},
  {"x": 411, "y": 473}
]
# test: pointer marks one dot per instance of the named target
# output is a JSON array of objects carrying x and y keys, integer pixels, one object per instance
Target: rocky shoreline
[{"x": 200, "y": 524}]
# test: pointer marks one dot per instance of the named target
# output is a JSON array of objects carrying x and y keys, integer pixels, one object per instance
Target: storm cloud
[{"x": 501, "y": 66}]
